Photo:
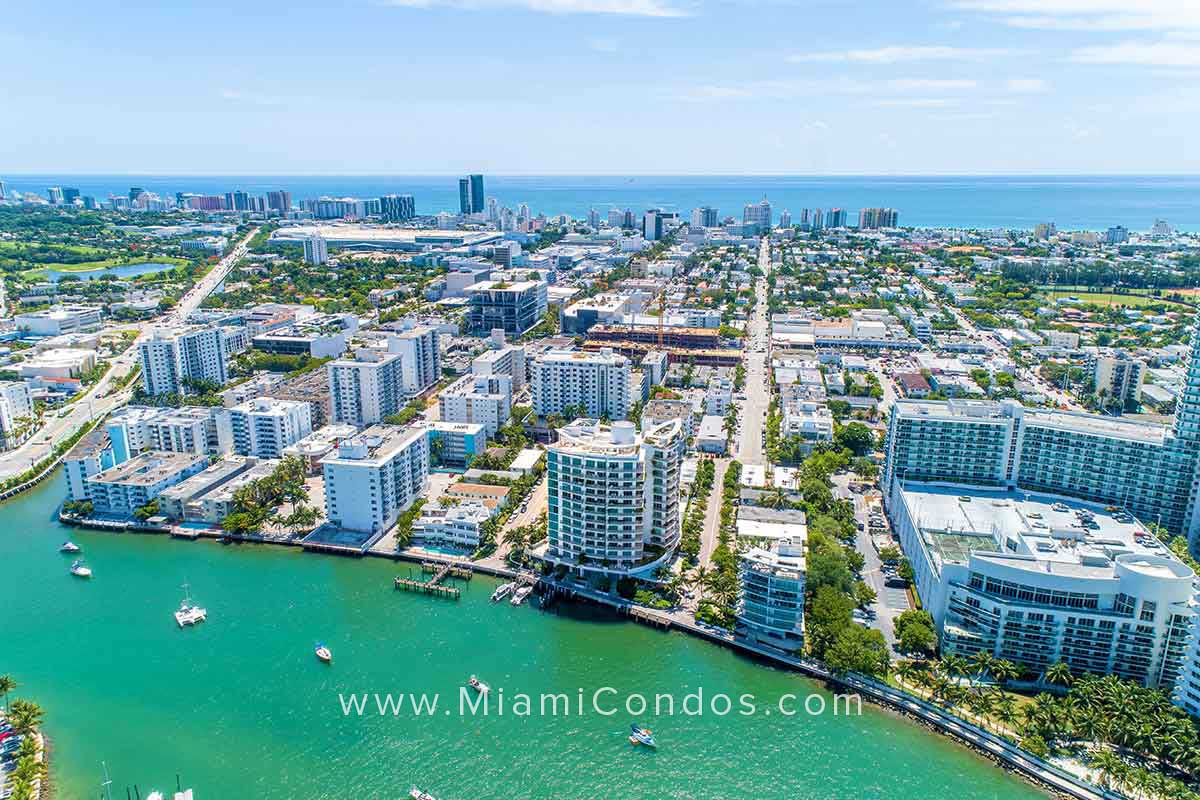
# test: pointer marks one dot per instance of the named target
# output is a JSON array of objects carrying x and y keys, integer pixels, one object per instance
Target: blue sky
[{"x": 601, "y": 86}]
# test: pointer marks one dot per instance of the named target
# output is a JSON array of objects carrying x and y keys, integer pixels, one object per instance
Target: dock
[{"x": 439, "y": 572}]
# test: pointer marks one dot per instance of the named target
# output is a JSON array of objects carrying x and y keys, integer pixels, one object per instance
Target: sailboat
[{"x": 189, "y": 614}]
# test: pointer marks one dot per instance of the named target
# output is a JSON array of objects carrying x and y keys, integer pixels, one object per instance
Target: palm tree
[
  {"x": 700, "y": 580},
  {"x": 983, "y": 663},
  {"x": 953, "y": 665},
  {"x": 7, "y": 684},
  {"x": 25, "y": 716},
  {"x": 1004, "y": 671},
  {"x": 1006, "y": 711},
  {"x": 1107, "y": 767},
  {"x": 1058, "y": 674}
]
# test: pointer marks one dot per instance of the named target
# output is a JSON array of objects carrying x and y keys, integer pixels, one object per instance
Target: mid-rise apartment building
[
  {"x": 770, "y": 608},
  {"x": 482, "y": 399},
  {"x": 16, "y": 413},
  {"x": 191, "y": 429},
  {"x": 513, "y": 307},
  {"x": 373, "y": 477},
  {"x": 264, "y": 427},
  {"x": 1117, "y": 377},
  {"x": 173, "y": 358},
  {"x": 599, "y": 383}
]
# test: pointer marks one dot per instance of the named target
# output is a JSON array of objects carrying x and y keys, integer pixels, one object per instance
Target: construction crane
[{"x": 662, "y": 315}]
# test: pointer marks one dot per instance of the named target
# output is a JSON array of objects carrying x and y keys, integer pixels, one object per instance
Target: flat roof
[
  {"x": 148, "y": 468},
  {"x": 1047, "y": 533}
]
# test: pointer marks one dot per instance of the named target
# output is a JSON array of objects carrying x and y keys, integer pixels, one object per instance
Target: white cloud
[
  {"x": 930, "y": 85},
  {"x": 635, "y": 8},
  {"x": 1092, "y": 15},
  {"x": 898, "y": 53},
  {"x": 1156, "y": 54},
  {"x": 1027, "y": 85},
  {"x": 916, "y": 102}
]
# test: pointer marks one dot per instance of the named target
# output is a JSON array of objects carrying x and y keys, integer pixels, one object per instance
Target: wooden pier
[{"x": 439, "y": 571}]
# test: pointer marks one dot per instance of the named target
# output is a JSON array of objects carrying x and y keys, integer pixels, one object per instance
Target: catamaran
[
  {"x": 69, "y": 547},
  {"x": 643, "y": 736},
  {"x": 521, "y": 594},
  {"x": 79, "y": 570},
  {"x": 189, "y": 614},
  {"x": 323, "y": 653},
  {"x": 502, "y": 591},
  {"x": 478, "y": 685}
]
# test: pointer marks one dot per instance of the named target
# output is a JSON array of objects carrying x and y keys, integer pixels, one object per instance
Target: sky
[{"x": 620, "y": 87}]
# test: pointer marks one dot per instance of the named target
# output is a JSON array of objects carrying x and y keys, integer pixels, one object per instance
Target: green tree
[
  {"x": 7, "y": 684},
  {"x": 855, "y": 437}
]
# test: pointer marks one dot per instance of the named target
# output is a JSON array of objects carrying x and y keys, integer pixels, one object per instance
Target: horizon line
[{"x": 614, "y": 174}]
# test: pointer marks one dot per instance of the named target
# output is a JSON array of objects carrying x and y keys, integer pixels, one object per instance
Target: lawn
[
  {"x": 100, "y": 266},
  {"x": 1110, "y": 298}
]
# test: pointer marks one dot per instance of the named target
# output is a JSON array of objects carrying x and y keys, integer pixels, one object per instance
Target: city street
[
  {"x": 756, "y": 360},
  {"x": 98, "y": 400},
  {"x": 712, "y": 514}
]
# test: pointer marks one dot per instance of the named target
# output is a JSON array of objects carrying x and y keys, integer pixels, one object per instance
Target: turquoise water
[
  {"x": 241, "y": 708},
  {"x": 121, "y": 271},
  {"x": 1009, "y": 201}
]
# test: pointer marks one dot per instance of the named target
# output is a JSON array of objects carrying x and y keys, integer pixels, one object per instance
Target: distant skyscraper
[
  {"x": 280, "y": 201},
  {"x": 818, "y": 219},
  {"x": 69, "y": 195},
  {"x": 835, "y": 218},
  {"x": 705, "y": 217},
  {"x": 398, "y": 207},
  {"x": 652, "y": 226},
  {"x": 493, "y": 209},
  {"x": 757, "y": 216},
  {"x": 869, "y": 218},
  {"x": 3, "y": 196},
  {"x": 470, "y": 194},
  {"x": 804, "y": 218},
  {"x": 1115, "y": 235},
  {"x": 594, "y": 219},
  {"x": 56, "y": 195},
  {"x": 135, "y": 192},
  {"x": 785, "y": 219},
  {"x": 315, "y": 250}
]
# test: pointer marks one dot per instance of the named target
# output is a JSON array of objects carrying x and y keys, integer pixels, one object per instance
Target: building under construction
[{"x": 682, "y": 345}]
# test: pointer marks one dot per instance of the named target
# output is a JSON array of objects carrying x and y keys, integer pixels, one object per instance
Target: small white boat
[
  {"x": 502, "y": 591},
  {"x": 417, "y": 794},
  {"x": 79, "y": 570},
  {"x": 521, "y": 594},
  {"x": 188, "y": 613},
  {"x": 324, "y": 653},
  {"x": 69, "y": 547},
  {"x": 642, "y": 736},
  {"x": 478, "y": 685}
]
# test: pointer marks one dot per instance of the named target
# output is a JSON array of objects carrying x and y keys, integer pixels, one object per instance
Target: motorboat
[
  {"x": 417, "y": 794},
  {"x": 189, "y": 613},
  {"x": 521, "y": 594},
  {"x": 323, "y": 653},
  {"x": 642, "y": 736},
  {"x": 69, "y": 547},
  {"x": 79, "y": 570},
  {"x": 478, "y": 685},
  {"x": 502, "y": 591}
]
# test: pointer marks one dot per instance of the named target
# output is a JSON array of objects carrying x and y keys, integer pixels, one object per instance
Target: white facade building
[
  {"x": 614, "y": 496},
  {"x": 171, "y": 357},
  {"x": 316, "y": 250},
  {"x": 59, "y": 319},
  {"x": 482, "y": 399},
  {"x": 373, "y": 477},
  {"x": 366, "y": 387},
  {"x": 264, "y": 427},
  {"x": 597, "y": 382},
  {"x": 770, "y": 607}
]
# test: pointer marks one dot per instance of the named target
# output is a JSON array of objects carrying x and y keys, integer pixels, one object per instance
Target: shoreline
[{"x": 997, "y": 750}]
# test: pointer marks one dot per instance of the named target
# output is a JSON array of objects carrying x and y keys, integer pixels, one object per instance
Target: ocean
[{"x": 1019, "y": 202}]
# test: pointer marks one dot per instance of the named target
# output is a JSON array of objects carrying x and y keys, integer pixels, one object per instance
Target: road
[
  {"x": 712, "y": 513},
  {"x": 758, "y": 387},
  {"x": 101, "y": 399}
]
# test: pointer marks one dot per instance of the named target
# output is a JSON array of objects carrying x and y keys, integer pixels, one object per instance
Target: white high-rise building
[
  {"x": 190, "y": 429},
  {"x": 374, "y": 476},
  {"x": 597, "y": 382},
  {"x": 614, "y": 496},
  {"x": 757, "y": 216},
  {"x": 420, "y": 359},
  {"x": 171, "y": 358},
  {"x": 482, "y": 399},
  {"x": 316, "y": 251},
  {"x": 16, "y": 413},
  {"x": 264, "y": 427},
  {"x": 365, "y": 388}
]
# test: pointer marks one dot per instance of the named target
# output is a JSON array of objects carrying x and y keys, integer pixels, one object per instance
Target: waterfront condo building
[
  {"x": 264, "y": 427},
  {"x": 376, "y": 381},
  {"x": 512, "y": 307},
  {"x": 770, "y": 608},
  {"x": 599, "y": 383},
  {"x": 1037, "y": 579},
  {"x": 455, "y": 444},
  {"x": 374, "y": 476},
  {"x": 482, "y": 399},
  {"x": 191, "y": 429},
  {"x": 172, "y": 358},
  {"x": 614, "y": 496},
  {"x": 124, "y": 488}
]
